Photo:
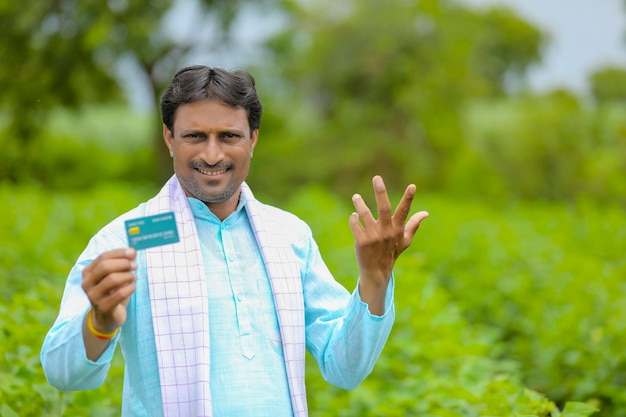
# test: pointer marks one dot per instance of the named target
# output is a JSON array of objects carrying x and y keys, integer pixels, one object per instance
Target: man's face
[{"x": 211, "y": 146}]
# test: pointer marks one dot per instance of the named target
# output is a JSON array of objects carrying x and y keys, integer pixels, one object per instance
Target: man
[{"x": 217, "y": 324}]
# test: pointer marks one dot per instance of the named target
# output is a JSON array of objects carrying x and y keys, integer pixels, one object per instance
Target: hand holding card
[{"x": 108, "y": 282}]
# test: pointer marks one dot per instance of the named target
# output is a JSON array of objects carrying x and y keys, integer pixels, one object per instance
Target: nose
[{"x": 213, "y": 152}]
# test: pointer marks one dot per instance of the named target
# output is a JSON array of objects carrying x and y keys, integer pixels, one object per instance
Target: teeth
[{"x": 202, "y": 171}]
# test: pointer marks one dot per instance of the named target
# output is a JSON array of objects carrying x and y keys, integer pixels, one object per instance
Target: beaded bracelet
[{"x": 95, "y": 333}]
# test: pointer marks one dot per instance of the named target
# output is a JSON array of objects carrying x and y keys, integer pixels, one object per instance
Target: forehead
[{"x": 211, "y": 114}]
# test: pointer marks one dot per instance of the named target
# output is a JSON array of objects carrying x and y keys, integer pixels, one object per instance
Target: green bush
[
  {"x": 476, "y": 349},
  {"x": 80, "y": 149},
  {"x": 541, "y": 147},
  {"x": 551, "y": 279}
]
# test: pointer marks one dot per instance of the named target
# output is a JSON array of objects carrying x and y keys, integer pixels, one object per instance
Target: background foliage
[{"x": 510, "y": 303}]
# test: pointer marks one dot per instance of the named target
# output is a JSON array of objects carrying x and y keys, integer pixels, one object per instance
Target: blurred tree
[
  {"x": 536, "y": 144},
  {"x": 70, "y": 53},
  {"x": 609, "y": 84},
  {"x": 382, "y": 84}
]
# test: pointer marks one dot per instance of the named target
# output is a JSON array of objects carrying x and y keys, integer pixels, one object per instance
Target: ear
[
  {"x": 254, "y": 138},
  {"x": 169, "y": 139}
]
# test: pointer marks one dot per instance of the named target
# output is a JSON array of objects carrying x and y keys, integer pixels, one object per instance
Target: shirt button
[
  {"x": 239, "y": 297},
  {"x": 231, "y": 258}
]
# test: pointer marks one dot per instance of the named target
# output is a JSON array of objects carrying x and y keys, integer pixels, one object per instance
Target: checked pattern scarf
[{"x": 179, "y": 303}]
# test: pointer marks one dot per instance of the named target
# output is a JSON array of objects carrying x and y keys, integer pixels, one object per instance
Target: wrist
[
  {"x": 373, "y": 294},
  {"x": 102, "y": 335}
]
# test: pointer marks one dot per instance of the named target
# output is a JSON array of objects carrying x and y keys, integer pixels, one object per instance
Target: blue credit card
[{"x": 150, "y": 231}]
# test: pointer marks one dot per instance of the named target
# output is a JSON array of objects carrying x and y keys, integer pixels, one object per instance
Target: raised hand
[{"x": 379, "y": 243}]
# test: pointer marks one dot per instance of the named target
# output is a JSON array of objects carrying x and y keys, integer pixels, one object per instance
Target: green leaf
[
  {"x": 6, "y": 411},
  {"x": 578, "y": 409}
]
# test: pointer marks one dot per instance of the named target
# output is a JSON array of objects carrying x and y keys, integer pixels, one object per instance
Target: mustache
[{"x": 205, "y": 166}]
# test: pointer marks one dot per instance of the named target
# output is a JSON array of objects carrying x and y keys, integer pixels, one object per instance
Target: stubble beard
[{"x": 193, "y": 187}]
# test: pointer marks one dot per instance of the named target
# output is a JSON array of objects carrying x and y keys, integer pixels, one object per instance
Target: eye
[
  {"x": 192, "y": 137},
  {"x": 230, "y": 137}
]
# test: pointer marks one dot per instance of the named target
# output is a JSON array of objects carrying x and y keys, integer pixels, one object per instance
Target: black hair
[{"x": 198, "y": 82}]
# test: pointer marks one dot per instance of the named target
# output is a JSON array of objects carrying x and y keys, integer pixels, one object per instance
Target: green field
[{"x": 502, "y": 309}]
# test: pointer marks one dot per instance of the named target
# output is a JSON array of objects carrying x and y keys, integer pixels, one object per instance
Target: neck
[{"x": 225, "y": 208}]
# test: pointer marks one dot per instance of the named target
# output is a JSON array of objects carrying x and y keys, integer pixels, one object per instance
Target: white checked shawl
[{"x": 180, "y": 315}]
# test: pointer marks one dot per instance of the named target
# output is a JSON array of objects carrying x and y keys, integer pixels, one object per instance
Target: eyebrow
[
  {"x": 221, "y": 130},
  {"x": 197, "y": 132}
]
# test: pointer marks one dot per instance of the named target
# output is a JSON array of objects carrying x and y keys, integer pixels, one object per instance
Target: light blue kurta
[{"x": 248, "y": 376}]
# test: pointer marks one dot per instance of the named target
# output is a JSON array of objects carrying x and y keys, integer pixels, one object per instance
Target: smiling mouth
[{"x": 211, "y": 172}]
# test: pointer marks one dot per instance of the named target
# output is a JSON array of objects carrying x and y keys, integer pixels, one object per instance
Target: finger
[
  {"x": 111, "y": 282},
  {"x": 123, "y": 253},
  {"x": 109, "y": 266},
  {"x": 355, "y": 226},
  {"x": 412, "y": 225},
  {"x": 106, "y": 305},
  {"x": 102, "y": 295},
  {"x": 404, "y": 207},
  {"x": 363, "y": 212},
  {"x": 128, "y": 253},
  {"x": 119, "y": 295},
  {"x": 111, "y": 313},
  {"x": 382, "y": 200},
  {"x": 104, "y": 265}
]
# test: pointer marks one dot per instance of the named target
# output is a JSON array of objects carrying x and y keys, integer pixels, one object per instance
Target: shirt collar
[{"x": 200, "y": 210}]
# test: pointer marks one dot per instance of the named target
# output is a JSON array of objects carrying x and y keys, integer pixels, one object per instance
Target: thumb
[{"x": 412, "y": 225}]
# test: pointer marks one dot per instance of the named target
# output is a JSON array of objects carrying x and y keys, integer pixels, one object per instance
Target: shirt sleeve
[
  {"x": 342, "y": 335},
  {"x": 63, "y": 355}
]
